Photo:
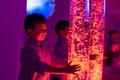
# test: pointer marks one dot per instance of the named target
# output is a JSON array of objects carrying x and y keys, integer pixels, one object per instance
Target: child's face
[
  {"x": 115, "y": 35},
  {"x": 65, "y": 33},
  {"x": 39, "y": 32}
]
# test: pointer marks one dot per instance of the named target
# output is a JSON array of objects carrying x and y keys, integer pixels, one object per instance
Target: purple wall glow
[{"x": 12, "y": 37}]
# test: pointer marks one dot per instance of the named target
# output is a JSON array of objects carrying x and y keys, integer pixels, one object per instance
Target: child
[
  {"x": 35, "y": 58},
  {"x": 60, "y": 55},
  {"x": 112, "y": 46}
]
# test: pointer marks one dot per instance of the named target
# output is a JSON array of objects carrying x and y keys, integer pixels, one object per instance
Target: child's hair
[
  {"x": 61, "y": 25},
  {"x": 111, "y": 32},
  {"x": 32, "y": 19}
]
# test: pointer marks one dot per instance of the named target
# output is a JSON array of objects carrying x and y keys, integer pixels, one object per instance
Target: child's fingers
[
  {"x": 76, "y": 66},
  {"x": 69, "y": 62}
]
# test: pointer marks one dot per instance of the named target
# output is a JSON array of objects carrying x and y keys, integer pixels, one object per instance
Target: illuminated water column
[
  {"x": 96, "y": 45},
  {"x": 86, "y": 38},
  {"x": 79, "y": 37}
]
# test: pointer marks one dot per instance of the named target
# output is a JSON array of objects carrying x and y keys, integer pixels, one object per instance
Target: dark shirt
[
  {"x": 34, "y": 61},
  {"x": 60, "y": 57},
  {"x": 60, "y": 54}
]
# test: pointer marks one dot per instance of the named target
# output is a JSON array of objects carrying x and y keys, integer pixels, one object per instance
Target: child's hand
[
  {"x": 93, "y": 56},
  {"x": 71, "y": 68}
]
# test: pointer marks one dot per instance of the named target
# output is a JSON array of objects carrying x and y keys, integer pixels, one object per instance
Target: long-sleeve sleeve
[{"x": 30, "y": 59}]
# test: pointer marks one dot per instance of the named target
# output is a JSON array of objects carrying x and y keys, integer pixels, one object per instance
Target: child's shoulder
[
  {"x": 45, "y": 46},
  {"x": 27, "y": 47}
]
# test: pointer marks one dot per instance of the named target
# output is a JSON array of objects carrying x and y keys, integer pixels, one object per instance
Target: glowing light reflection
[{"x": 44, "y": 7}]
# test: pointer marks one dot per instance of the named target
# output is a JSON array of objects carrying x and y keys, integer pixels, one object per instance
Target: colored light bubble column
[
  {"x": 96, "y": 40},
  {"x": 79, "y": 38},
  {"x": 87, "y": 38}
]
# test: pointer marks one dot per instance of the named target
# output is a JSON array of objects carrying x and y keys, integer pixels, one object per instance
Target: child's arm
[
  {"x": 67, "y": 69},
  {"x": 30, "y": 59}
]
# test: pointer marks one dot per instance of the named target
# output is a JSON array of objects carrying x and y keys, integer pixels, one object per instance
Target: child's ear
[
  {"x": 61, "y": 33},
  {"x": 29, "y": 31}
]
